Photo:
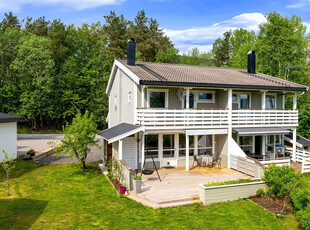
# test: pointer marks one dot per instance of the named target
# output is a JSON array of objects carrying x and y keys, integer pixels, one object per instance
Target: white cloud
[
  {"x": 16, "y": 5},
  {"x": 203, "y": 37},
  {"x": 299, "y": 4}
]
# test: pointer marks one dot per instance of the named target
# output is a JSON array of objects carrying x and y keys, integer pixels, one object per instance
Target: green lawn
[{"x": 66, "y": 197}]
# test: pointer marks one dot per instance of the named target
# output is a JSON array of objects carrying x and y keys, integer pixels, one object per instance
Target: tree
[
  {"x": 8, "y": 165},
  {"x": 282, "y": 42},
  {"x": 241, "y": 42},
  {"x": 171, "y": 55},
  {"x": 38, "y": 27},
  {"x": 116, "y": 30},
  {"x": 221, "y": 49},
  {"x": 78, "y": 137},
  {"x": 9, "y": 21}
]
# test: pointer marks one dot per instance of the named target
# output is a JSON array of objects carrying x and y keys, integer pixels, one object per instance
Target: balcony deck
[{"x": 153, "y": 118}]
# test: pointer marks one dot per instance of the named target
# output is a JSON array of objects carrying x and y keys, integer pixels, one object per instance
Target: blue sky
[{"x": 189, "y": 24}]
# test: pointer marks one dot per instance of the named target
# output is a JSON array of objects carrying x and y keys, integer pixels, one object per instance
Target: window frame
[
  {"x": 238, "y": 99},
  {"x": 275, "y": 99},
  {"x": 249, "y": 145},
  {"x": 149, "y": 91},
  {"x": 205, "y": 100}
]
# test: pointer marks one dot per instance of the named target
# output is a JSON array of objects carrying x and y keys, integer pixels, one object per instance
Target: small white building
[{"x": 8, "y": 134}]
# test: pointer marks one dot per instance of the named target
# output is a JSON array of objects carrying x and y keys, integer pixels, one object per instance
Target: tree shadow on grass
[{"x": 20, "y": 213}]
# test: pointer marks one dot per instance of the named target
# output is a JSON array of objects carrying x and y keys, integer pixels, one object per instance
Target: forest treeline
[{"x": 49, "y": 70}]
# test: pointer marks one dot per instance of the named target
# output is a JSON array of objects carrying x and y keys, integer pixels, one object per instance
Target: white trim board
[
  {"x": 128, "y": 72},
  {"x": 206, "y": 131}
]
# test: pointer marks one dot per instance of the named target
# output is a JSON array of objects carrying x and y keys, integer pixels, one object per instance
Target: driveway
[{"x": 39, "y": 142}]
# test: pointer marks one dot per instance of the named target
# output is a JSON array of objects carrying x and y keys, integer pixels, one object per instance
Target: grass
[
  {"x": 240, "y": 181},
  {"x": 67, "y": 197}
]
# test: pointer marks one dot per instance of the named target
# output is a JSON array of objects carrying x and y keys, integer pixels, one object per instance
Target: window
[
  {"x": 270, "y": 101},
  {"x": 151, "y": 145},
  {"x": 191, "y": 100},
  {"x": 129, "y": 97},
  {"x": 182, "y": 145},
  {"x": 244, "y": 101},
  {"x": 206, "y": 97},
  {"x": 115, "y": 101},
  {"x": 271, "y": 142},
  {"x": 168, "y": 145},
  {"x": 235, "y": 98},
  {"x": 157, "y": 98},
  {"x": 204, "y": 144},
  {"x": 245, "y": 144}
]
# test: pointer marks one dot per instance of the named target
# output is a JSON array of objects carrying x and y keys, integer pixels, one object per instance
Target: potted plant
[
  {"x": 122, "y": 189},
  {"x": 31, "y": 152},
  {"x": 137, "y": 181}
]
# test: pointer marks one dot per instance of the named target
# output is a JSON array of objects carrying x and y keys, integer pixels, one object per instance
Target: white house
[
  {"x": 8, "y": 134},
  {"x": 175, "y": 112}
]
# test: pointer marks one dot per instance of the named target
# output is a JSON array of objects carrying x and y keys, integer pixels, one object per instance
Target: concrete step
[{"x": 43, "y": 154}]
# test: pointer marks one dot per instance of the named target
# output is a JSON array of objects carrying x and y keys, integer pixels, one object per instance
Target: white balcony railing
[
  {"x": 263, "y": 118},
  {"x": 181, "y": 118},
  {"x": 214, "y": 118}
]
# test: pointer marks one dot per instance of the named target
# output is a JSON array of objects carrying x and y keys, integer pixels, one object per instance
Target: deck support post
[
  {"x": 263, "y": 102},
  {"x": 187, "y": 151},
  {"x": 120, "y": 149},
  {"x": 142, "y": 149},
  {"x": 295, "y": 129},
  {"x": 229, "y": 133}
]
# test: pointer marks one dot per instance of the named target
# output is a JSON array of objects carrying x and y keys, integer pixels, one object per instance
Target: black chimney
[
  {"x": 131, "y": 56},
  {"x": 251, "y": 62}
]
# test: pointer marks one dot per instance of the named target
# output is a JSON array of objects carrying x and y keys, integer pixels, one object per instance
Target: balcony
[{"x": 153, "y": 118}]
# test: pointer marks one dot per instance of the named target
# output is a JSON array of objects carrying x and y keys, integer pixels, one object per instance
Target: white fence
[
  {"x": 214, "y": 118},
  {"x": 276, "y": 161},
  {"x": 247, "y": 165},
  {"x": 247, "y": 117},
  {"x": 302, "y": 156}
]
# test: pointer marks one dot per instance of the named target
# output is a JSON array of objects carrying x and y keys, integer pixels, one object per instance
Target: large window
[
  {"x": 206, "y": 97},
  {"x": 244, "y": 101},
  {"x": 245, "y": 143},
  {"x": 182, "y": 145},
  {"x": 168, "y": 145},
  {"x": 204, "y": 144},
  {"x": 271, "y": 142},
  {"x": 158, "y": 98},
  {"x": 151, "y": 145},
  {"x": 270, "y": 101}
]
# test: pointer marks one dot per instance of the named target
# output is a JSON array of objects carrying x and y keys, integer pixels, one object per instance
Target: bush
[
  {"x": 260, "y": 192},
  {"x": 280, "y": 180},
  {"x": 304, "y": 217},
  {"x": 240, "y": 181},
  {"x": 300, "y": 198},
  {"x": 137, "y": 178},
  {"x": 31, "y": 152}
]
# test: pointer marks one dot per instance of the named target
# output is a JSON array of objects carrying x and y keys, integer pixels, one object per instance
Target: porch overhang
[
  {"x": 120, "y": 131},
  {"x": 205, "y": 131},
  {"x": 261, "y": 131}
]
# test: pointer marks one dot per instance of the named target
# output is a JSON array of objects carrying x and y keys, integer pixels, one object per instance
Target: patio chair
[
  {"x": 198, "y": 160},
  {"x": 216, "y": 161}
]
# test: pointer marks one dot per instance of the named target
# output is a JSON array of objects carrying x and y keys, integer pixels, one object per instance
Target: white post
[
  {"x": 176, "y": 153},
  {"x": 213, "y": 145},
  {"x": 303, "y": 161},
  {"x": 120, "y": 150},
  {"x": 263, "y": 102},
  {"x": 142, "y": 149},
  {"x": 142, "y": 96},
  {"x": 187, "y": 151},
  {"x": 229, "y": 135},
  {"x": 295, "y": 129},
  {"x": 283, "y": 101},
  {"x": 196, "y": 145},
  {"x": 187, "y": 98},
  {"x": 264, "y": 145}
]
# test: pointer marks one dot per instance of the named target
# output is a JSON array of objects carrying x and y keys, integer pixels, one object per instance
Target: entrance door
[{"x": 258, "y": 144}]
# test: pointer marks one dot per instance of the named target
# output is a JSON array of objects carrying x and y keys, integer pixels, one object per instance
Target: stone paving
[
  {"x": 178, "y": 186},
  {"x": 39, "y": 142}
]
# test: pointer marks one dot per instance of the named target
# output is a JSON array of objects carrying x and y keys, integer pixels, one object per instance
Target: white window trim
[
  {"x": 166, "y": 91},
  {"x": 205, "y": 100},
  {"x": 129, "y": 97},
  {"x": 195, "y": 99},
  {"x": 238, "y": 98},
  {"x": 252, "y": 145},
  {"x": 275, "y": 99}
]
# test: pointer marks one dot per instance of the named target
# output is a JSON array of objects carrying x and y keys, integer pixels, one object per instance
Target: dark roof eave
[
  {"x": 143, "y": 82},
  {"x": 6, "y": 120}
]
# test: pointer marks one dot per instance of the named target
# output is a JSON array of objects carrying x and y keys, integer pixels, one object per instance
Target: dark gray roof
[
  {"x": 4, "y": 117},
  {"x": 121, "y": 130},
  {"x": 301, "y": 140},
  {"x": 204, "y": 76},
  {"x": 261, "y": 131}
]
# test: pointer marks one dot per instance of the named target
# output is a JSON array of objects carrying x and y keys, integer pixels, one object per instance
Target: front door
[{"x": 258, "y": 145}]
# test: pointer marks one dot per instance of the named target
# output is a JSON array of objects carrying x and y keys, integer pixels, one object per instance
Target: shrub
[
  {"x": 260, "y": 192},
  {"x": 31, "y": 152},
  {"x": 137, "y": 178},
  {"x": 280, "y": 180},
  {"x": 304, "y": 217},
  {"x": 240, "y": 181},
  {"x": 300, "y": 198}
]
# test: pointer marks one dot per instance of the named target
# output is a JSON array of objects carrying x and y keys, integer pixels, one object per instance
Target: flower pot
[
  {"x": 122, "y": 190},
  {"x": 137, "y": 186}
]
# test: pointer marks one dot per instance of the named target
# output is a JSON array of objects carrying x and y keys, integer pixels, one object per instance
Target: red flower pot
[{"x": 122, "y": 190}]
